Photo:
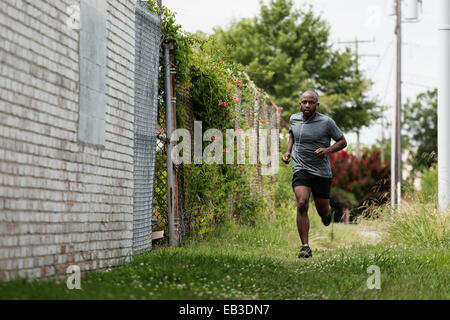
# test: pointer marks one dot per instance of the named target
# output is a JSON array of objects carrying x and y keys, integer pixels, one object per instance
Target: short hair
[{"x": 310, "y": 91}]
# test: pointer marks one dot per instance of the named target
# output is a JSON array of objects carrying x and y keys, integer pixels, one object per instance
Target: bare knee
[
  {"x": 323, "y": 210},
  {"x": 302, "y": 206}
]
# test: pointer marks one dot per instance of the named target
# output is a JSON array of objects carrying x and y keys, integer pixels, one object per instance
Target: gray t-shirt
[{"x": 309, "y": 136}]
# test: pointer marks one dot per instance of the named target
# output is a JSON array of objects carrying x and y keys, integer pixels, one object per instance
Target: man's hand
[
  {"x": 322, "y": 152},
  {"x": 286, "y": 157}
]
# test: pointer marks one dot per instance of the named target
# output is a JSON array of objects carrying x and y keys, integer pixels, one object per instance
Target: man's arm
[
  {"x": 287, "y": 156},
  {"x": 337, "y": 146}
]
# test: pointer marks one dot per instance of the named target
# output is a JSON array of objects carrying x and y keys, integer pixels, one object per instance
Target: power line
[
  {"x": 416, "y": 75},
  {"x": 356, "y": 43},
  {"x": 388, "y": 82},
  {"x": 383, "y": 57},
  {"x": 418, "y": 84}
]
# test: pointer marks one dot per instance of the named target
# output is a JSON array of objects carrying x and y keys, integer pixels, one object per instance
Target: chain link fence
[
  {"x": 148, "y": 35},
  {"x": 160, "y": 197}
]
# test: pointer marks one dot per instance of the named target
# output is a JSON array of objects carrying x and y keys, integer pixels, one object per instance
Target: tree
[
  {"x": 420, "y": 125},
  {"x": 354, "y": 109},
  {"x": 286, "y": 50}
]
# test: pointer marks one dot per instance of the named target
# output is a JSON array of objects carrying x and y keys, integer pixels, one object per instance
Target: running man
[{"x": 310, "y": 134}]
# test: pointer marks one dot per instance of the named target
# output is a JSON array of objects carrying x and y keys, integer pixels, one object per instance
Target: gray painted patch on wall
[{"x": 93, "y": 50}]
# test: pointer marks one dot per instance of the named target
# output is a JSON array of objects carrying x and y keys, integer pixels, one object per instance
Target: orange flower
[
  {"x": 221, "y": 62},
  {"x": 225, "y": 150},
  {"x": 235, "y": 99},
  {"x": 238, "y": 82},
  {"x": 262, "y": 121}
]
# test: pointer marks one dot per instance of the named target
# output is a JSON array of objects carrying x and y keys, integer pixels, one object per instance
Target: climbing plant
[{"x": 215, "y": 85}]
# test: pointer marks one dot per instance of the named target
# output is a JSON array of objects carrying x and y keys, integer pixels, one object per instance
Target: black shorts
[{"x": 320, "y": 186}]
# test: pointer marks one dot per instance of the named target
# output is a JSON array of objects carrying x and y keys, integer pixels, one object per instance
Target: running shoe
[{"x": 305, "y": 252}]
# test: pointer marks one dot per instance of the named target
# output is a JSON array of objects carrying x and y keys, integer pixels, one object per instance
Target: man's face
[{"x": 308, "y": 104}]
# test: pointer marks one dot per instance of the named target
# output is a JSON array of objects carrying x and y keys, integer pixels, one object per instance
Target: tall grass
[
  {"x": 422, "y": 225},
  {"x": 429, "y": 186},
  {"x": 417, "y": 224}
]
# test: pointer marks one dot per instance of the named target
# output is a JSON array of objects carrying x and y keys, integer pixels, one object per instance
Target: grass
[
  {"x": 260, "y": 262},
  {"x": 417, "y": 226}
]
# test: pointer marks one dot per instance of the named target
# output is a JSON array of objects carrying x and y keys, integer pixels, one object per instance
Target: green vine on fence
[
  {"x": 171, "y": 32},
  {"x": 215, "y": 84}
]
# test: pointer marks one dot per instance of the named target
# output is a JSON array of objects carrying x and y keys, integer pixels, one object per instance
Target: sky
[{"x": 349, "y": 20}]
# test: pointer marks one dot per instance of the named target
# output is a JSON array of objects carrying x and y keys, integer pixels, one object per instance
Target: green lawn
[{"x": 238, "y": 262}]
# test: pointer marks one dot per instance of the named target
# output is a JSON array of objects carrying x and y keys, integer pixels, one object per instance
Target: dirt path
[{"x": 371, "y": 233}]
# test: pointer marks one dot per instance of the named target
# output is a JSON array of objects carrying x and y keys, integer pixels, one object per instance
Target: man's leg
[
  {"x": 302, "y": 195},
  {"x": 323, "y": 207}
]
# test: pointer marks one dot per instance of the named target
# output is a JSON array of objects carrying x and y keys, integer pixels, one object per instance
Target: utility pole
[
  {"x": 356, "y": 43},
  {"x": 394, "y": 7},
  {"x": 396, "y": 140},
  {"x": 444, "y": 106}
]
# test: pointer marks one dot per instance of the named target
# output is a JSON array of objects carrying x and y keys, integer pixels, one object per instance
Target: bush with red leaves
[{"x": 367, "y": 178}]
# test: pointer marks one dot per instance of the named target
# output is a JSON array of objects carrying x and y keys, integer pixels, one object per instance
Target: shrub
[
  {"x": 366, "y": 178},
  {"x": 340, "y": 200}
]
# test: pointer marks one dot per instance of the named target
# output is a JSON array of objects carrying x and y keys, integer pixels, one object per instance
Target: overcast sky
[{"x": 349, "y": 20}]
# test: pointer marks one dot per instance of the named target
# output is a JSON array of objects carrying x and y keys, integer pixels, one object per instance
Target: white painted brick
[{"x": 60, "y": 198}]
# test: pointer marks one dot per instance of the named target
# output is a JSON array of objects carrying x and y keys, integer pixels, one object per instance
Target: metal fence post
[{"x": 171, "y": 196}]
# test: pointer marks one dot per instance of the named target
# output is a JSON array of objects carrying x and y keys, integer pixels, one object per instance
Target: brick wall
[{"x": 62, "y": 202}]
